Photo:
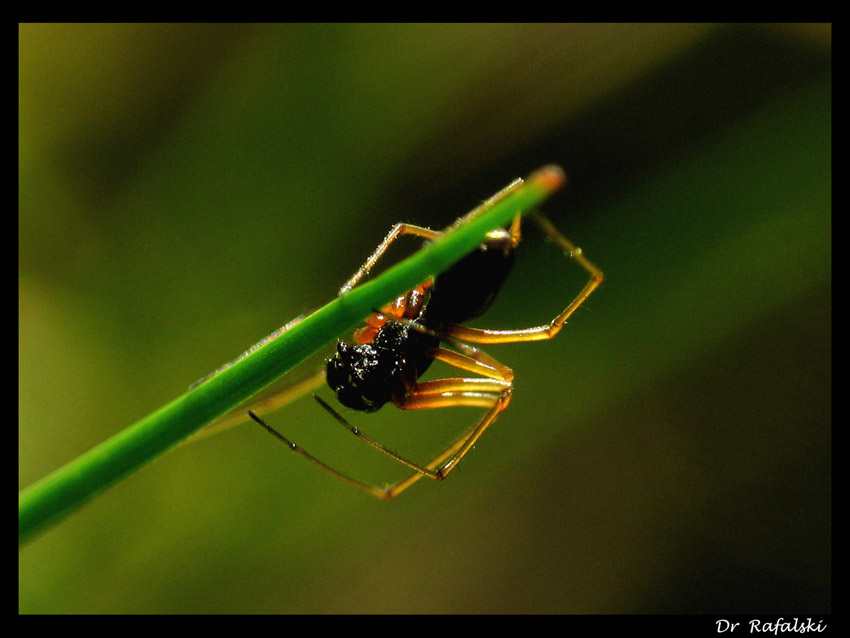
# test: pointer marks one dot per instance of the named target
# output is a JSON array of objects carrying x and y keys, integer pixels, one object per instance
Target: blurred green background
[{"x": 186, "y": 189}]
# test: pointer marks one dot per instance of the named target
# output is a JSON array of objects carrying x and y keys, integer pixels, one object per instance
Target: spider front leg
[
  {"x": 426, "y": 233},
  {"x": 395, "y": 232}
]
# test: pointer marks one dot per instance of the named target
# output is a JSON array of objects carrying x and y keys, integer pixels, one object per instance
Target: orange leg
[
  {"x": 395, "y": 232},
  {"x": 447, "y": 460},
  {"x": 493, "y": 392},
  {"x": 426, "y": 233},
  {"x": 478, "y": 335}
]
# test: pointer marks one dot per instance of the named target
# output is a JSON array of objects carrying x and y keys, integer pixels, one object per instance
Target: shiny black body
[{"x": 367, "y": 376}]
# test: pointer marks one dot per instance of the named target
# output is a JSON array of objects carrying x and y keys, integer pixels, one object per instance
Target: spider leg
[
  {"x": 428, "y": 396},
  {"x": 487, "y": 204},
  {"x": 426, "y": 233},
  {"x": 306, "y": 455},
  {"x": 539, "y": 333},
  {"x": 492, "y": 391},
  {"x": 280, "y": 397},
  {"x": 395, "y": 232},
  {"x": 375, "y": 444},
  {"x": 449, "y": 458}
]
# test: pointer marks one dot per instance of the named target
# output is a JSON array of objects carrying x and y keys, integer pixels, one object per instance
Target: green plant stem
[{"x": 58, "y": 494}]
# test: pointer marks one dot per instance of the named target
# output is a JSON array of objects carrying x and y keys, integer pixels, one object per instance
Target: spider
[{"x": 399, "y": 342}]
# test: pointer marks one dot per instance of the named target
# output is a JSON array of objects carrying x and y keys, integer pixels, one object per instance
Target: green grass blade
[{"x": 48, "y": 500}]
